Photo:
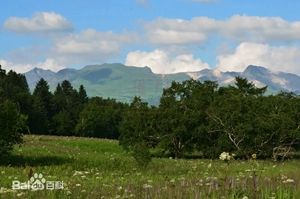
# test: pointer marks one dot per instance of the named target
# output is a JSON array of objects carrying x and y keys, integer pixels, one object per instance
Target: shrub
[{"x": 142, "y": 155}]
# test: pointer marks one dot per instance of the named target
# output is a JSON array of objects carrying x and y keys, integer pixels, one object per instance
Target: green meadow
[{"x": 99, "y": 168}]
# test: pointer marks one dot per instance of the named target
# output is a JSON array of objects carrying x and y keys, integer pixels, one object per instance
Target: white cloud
[
  {"x": 260, "y": 29},
  {"x": 180, "y": 32},
  {"x": 16, "y": 67},
  {"x": 87, "y": 47},
  {"x": 90, "y": 46},
  {"x": 42, "y": 22},
  {"x": 50, "y": 64},
  {"x": 237, "y": 28},
  {"x": 277, "y": 58},
  {"x": 163, "y": 63},
  {"x": 22, "y": 68}
]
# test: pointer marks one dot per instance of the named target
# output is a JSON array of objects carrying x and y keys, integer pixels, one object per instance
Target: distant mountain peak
[
  {"x": 253, "y": 68},
  {"x": 122, "y": 82}
]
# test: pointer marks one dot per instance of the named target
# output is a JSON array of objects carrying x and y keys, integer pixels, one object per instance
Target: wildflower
[
  {"x": 209, "y": 165},
  {"x": 77, "y": 173},
  {"x": 254, "y": 156},
  {"x": 283, "y": 177},
  {"x": 78, "y": 185},
  {"x": 83, "y": 191},
  {"x": 147, "y": 186},
  {"x": 120, "y": 188},
  {"x": 225, "y": 156},
  {"x": 245, "y": 197},
  {"x": 289, "y": 181}
]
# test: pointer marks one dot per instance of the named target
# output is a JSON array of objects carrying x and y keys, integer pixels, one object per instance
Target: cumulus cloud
[
  {"x": 16, "y": 67},
  {"x": 163, "y": 63},
  {"x": 90, "y": 46},
  {"x": 180, "y": 32},
  {"x": 277, "y": 58},
  {"x": 238, "y": 28},
  {"x": 87, "y": 47},
  {"x": 23, "y": 67},
  {"x": 42, "y": 22},
  {"x": 260, "y": 29}
]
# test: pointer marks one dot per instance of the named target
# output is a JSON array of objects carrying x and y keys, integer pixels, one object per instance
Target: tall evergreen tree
[
  {"x": 82, "y": 95},
  {"x": 42, "y": 107},
  {"x": 68, "y": 105}
]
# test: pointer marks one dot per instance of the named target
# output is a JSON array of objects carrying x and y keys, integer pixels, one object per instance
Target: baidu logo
[{"x": 36, "y": 183}]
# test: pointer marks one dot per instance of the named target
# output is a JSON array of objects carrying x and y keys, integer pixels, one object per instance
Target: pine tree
[
  {"x": 82, "y": 95},
  {"x": 42, "y": 107}
]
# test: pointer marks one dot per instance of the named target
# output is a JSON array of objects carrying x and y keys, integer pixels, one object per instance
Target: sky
[{"x": 169, "y": 36}]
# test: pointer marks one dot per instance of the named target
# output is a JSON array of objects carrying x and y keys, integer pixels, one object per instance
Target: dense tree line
[
  {"x": 70, "y": 112},
  {"x": 203, "y": 118},
  {"x": 67, "y": 111},
  {"x": 193, "y": 117}
]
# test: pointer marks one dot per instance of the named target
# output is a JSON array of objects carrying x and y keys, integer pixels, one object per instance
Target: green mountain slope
[
  {"x": 124, "y": 82},
  {"x": 111, "y": 80}
]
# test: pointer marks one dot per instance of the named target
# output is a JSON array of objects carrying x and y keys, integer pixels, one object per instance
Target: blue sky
[{"x": 166, "y": 35}]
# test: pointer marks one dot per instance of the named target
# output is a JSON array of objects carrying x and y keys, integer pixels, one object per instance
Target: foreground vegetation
[
  {"x": 97, "y": 168},
  {"x": 193, "y": 119}
]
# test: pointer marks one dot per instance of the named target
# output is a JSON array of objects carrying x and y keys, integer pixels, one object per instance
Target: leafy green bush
[{"x": 142, "y": 155}]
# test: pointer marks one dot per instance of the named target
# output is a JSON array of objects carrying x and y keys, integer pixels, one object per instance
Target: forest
[{"x": 194, "y": 118}]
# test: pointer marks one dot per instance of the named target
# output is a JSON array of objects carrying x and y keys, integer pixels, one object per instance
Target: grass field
[{"x": 96, "y": 168}]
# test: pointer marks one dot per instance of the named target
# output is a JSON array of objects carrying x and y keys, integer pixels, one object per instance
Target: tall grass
[{"x": 97, "y": 168}]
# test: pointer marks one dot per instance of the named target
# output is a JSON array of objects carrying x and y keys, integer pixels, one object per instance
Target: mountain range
[{"x": 124, "y": 82}]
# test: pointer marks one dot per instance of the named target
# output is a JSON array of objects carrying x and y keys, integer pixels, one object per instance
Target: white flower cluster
[{"x": 225, "y": 156}]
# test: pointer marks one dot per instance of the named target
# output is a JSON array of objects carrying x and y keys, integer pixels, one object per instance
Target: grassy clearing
[{"x": 96, "y": 168}]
